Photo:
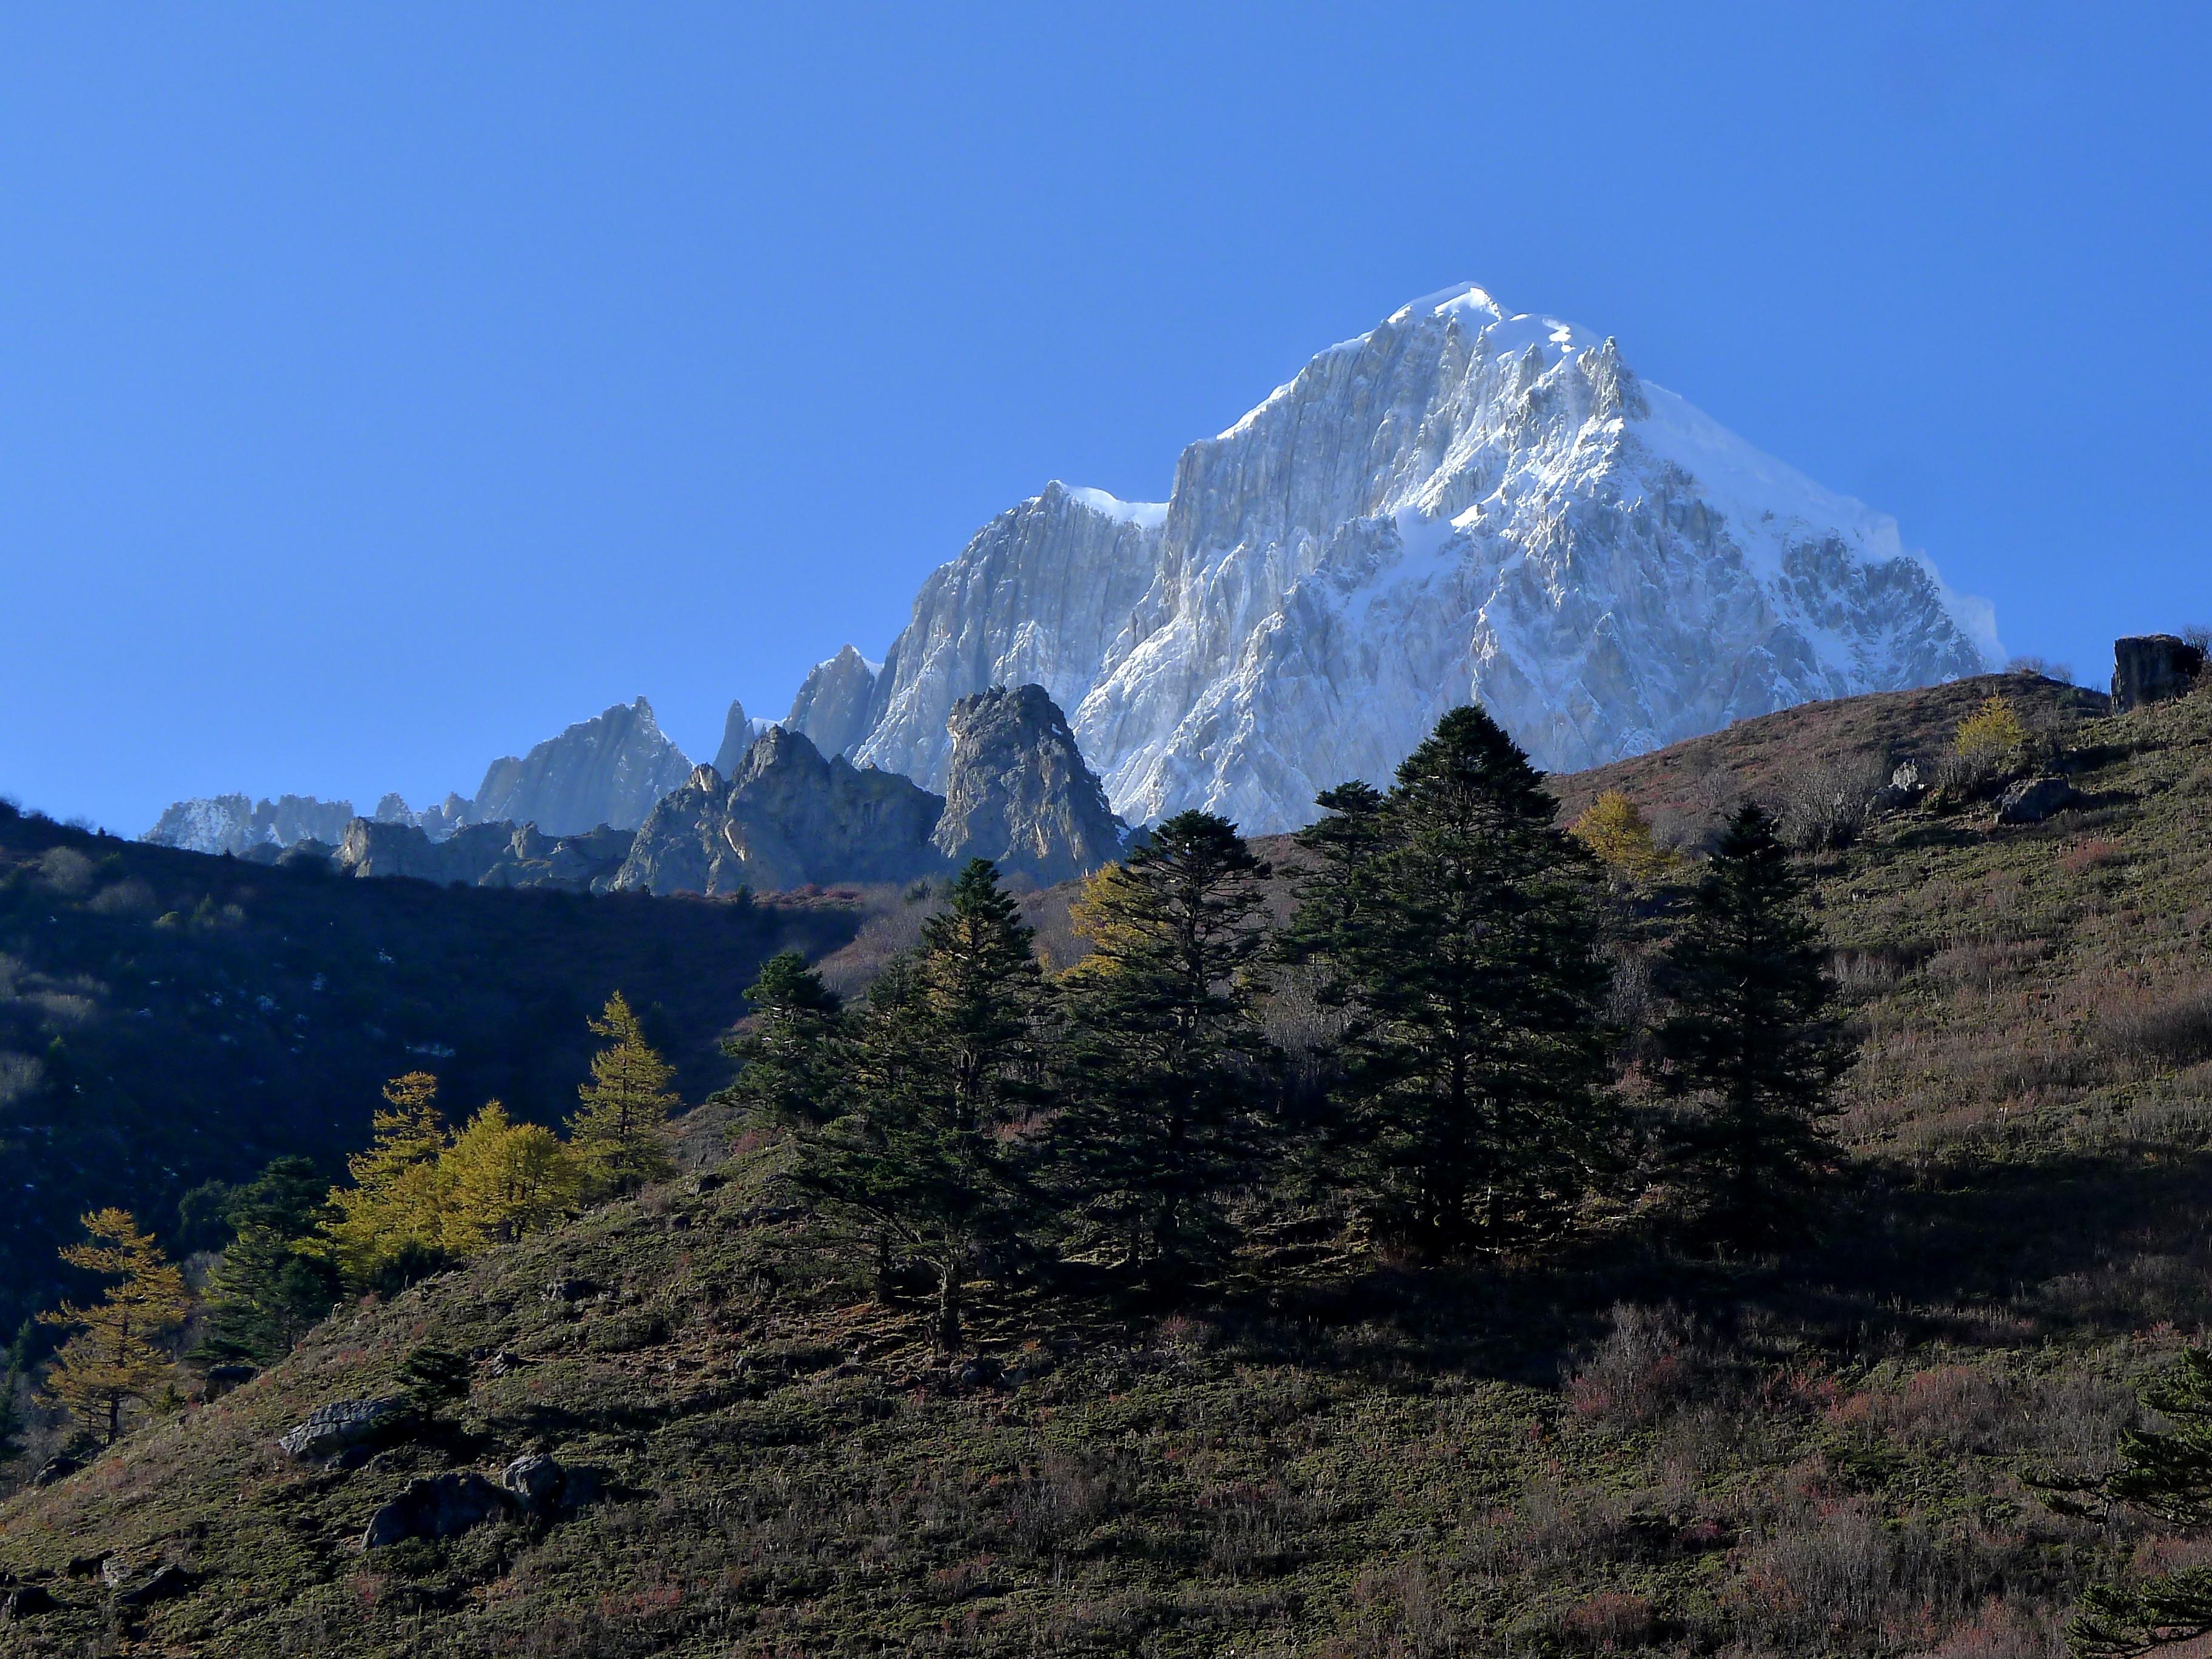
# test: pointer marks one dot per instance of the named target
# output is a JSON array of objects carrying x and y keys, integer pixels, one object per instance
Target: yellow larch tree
[
  {"x": 1993, "y": 733},
  {"x": 616, "y": 1134},
  {"x": 396, "y": 1207},
  {"x": 115, "y": 1356},
  {"x": 1616, "y": 831},
  {"x": 504, "y": 1180}
]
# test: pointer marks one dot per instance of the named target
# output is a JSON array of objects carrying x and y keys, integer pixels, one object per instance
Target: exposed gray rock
[
  {"x": 233, "y": 824},
  {"x": 739, "y": 733},
  {"x": 2152, "y": 668},
  {"x": 787, "y": 818},
  {"x": 1039, "y": 595},
  {"x": 533, "y": 1480},
  {"x": 2032, "y": 800},
  {"x": 1017, "y": 792},
  {"x": 833, "y": 708},
  {"x": 484, "y": 854},
  {"x": 440, "y": 1507},
  {"x": 163, "y": 1583},
  {"x": 329, "y": 1429},
  {"x": 609, "y": 769}
]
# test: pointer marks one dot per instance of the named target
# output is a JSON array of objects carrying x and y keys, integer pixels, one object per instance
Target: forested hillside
[
  {"x": 169, "y": 1018},
  {"x": 1634, "y": 1419}
]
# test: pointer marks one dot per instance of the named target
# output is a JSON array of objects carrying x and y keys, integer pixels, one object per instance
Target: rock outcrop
[
  {"x": 609, "y": 769},
  {"x": 233, "y": 824},
  {"x": 441, "y": 1506},
  {"x": 1017, "y": 792},
  {"x": 834, "y": 705},
  {"x": 1459, "y": 505},
  {"x": 787, "y": 818},
  {"x": 330, "y": 1430},
  {"x": 739, "y": 733},
  {"x": 484, "y": 855},
  {"x": 2153, "y": 667},
  {"x": 2032, "y": 800}
]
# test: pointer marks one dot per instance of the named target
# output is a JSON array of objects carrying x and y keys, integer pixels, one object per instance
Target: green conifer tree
[
  {"x": 618, "y": 1134},
  {"x": 2167, "y": 1474},
  {"x": 1748, "y": 1048},
  {"x": 940, "y": 1071},
  {"x": 275, "y": 1280},
  {"x": 790, "y": 1057},
  {"x": 1164, "y": 1053},
  {"x": 1457, "y": 928}
]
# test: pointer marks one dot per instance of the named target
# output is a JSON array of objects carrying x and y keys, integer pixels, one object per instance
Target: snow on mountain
[{"x": 1458, "y": 505}]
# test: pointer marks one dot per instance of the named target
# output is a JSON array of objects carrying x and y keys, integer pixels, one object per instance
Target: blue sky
[{"x": 382, "y": 389}]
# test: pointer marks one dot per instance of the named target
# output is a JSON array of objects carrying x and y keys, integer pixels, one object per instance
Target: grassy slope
[
  {"x": 1821, "y": 1453},
  {"x": 214, "y": 1013}
]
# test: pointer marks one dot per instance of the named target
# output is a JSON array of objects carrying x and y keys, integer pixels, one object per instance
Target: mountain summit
[{"x": 1458, "y": 505}]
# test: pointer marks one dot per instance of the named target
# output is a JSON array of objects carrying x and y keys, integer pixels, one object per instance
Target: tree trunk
[{"x": 948, "y": 1307}]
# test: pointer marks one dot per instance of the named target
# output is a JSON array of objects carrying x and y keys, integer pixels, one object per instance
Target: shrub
[
  {"x": 1648, "y": 1364},
  {"x": 1831, "y": 802},
  {"x": 2177, "y": 1032},
  {"x": 1994, "y": 729},
  {"x": 1616, "y": 831}
]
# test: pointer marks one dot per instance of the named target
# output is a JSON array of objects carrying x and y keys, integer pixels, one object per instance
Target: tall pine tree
[
  {"x": 387, "y": 1228},
  {"x": 1165, "y": 1055},
  {"x": 618, "y": 1133},
  {"x": 791, "y": 1058},
  {"x": 2165, "y": 1473},
  {"x": 1457, "y": 928},
  {"x": 115, "y": 1356},
  {"x": 1748, "y": 1049},
  {"x": 939, "y": 1074},
  {"x": 274, "y": 1282}
]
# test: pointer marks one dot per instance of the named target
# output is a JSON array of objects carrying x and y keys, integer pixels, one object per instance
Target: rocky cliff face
[
  {"x": 611, "y": 769},
  {"x": 608, "y": 770},
  {"x": 483, "y": 855},
  {"x": 787, "y": 818},
  {"x": 234, "y": 825},
  {"x": 834, "y": 707},
  {"x": 1039, "y": 596},
  {"x": 1458, "y": 505},
  {"x": 739, "y": 733},
  {"x": 1017, "y": 792}
]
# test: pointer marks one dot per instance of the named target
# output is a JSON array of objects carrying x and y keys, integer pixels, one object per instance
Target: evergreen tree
[
  {"x": 1457, "y": 928},
  {"x": 275, "y": 1281},
  {"x": 937, "y": 1075},
  {"x": 115, "y": 1357},
  {"x": 791, "y": 1059},
  {"x": 388, "y": 1227},
  {"x": 2167, "y": 1474},
  {"x": 1164, "y": 1050},
  {"x": 616, "y": 1134},
  {"x": 1749, "y": 1047},
  {"x": 504, "y": 1180}
]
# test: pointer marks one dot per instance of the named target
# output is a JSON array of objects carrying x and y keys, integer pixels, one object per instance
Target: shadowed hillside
[{"x": 169, "y": 1018}]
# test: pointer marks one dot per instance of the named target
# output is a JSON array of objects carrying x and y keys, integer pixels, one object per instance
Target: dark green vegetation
[
  {"x": 169, "y": 1019},
  {"x": 1856, "y": 1439}
]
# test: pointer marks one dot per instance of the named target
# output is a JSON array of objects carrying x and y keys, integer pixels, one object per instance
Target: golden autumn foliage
[
  {"x": 115, "y": 1357},
  {"x": 616, "y": 1133},
  {"x": 1618, "y": 834},
  {"x": 1993, "y": 733},
  {"x": 396, "y": 1206},
  {"x": 504, "y": 1180}
]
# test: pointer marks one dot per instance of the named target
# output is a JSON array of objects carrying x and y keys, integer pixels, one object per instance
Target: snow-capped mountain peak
[{"x": 1461, "y": 503}]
